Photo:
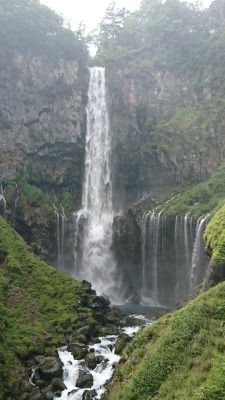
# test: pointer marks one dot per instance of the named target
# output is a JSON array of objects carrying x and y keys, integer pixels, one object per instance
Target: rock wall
[
  {"x": 42, "y": 142},
  {"x": 162, "y": 130},
  {"x": 42, "y": 121}
]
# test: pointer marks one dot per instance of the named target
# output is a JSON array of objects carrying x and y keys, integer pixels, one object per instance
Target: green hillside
[{"x": 38, "y": 305}]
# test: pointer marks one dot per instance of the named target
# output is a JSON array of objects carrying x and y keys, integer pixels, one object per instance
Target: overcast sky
[{"x": 90, "y": 12}]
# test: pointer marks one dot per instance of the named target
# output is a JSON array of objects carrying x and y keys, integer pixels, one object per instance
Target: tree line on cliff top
[{"x": 30, "y": 27}]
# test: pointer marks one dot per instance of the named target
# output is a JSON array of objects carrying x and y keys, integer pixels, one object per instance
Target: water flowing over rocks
[
  {"x": 87, "y": 378},
  {"x": 160, "y": 258}
]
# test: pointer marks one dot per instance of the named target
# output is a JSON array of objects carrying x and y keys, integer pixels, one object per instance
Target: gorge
[{"x": 112, "y": 172}]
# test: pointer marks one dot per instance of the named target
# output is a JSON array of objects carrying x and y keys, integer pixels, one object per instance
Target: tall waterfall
[
  {"x": 173, "y": 257},
  {"x": 96, "y": 262}
]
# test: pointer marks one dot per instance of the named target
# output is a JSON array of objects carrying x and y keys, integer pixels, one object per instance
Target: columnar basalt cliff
[
  {"x": 42, "y": 121},
  {"x": 42, "y": 136},
  {"x": 162, "y": 126}
]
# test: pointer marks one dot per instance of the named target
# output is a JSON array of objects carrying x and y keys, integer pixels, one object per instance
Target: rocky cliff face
[
  {"x": 42, "y": 142},
  {"x": 163, "y": 127},
  {"x": 42, "y": 121}
]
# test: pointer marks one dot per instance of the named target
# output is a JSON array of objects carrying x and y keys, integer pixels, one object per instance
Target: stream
[{"x": 98, "y": 377}]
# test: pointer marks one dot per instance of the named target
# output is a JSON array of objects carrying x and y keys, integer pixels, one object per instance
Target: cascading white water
[
  {"x": 2, "y": 202},
  {"x": 97, "y": 263},
  {"x": 150, "y": 247},
  {"x": 198, "y": 249},
  {"x": 171, "y": 264},
  {"x": 60, "y": 235}
]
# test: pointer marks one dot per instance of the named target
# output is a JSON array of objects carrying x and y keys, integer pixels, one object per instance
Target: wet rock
[
  {"x": 84, "y": 380},
  {"x": 78, "y": 350},
  {"x": 99, "y": 359},
  {"x": 58, "y": 393},
  {"x": 122, "y": 342},
  {"x": 72, "y": 392},
  {"x": 48, "y": 393},
  {"x": 216, "y": 274},
  {"x": 87, "y": 287},
  {"x": 91, "y": 360},
  {"x": 50, "y": 367},
  {"x": 88, "y": 331},
  {"x": 58, "y": 384},
  {"x": 89, "y": 395},
  {"x": 100, "y": 303}
]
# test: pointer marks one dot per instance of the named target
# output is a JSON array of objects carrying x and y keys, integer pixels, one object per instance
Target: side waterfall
[
  {"x": 2, "y": 202},
  {"x": 60, "y": 219},
  {"x": 94, "y": 261},
  {"x": 173, "y": 257}
]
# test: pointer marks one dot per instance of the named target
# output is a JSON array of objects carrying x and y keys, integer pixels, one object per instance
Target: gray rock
[
  {"x": 58, "y": 384},
  {"x": 89, "y": 395},
  {"x": 78, "y": 350},
  {"x": 48, "y": 393},
  {"x": 50, "y": 367},
  {"x": 85, "y": 380},
  {"x": 91, "y": 360}
]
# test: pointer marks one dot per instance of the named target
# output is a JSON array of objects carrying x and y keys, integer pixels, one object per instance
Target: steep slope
[
  {"x": 41, "y": 309},
  {"x": 180, "y": 356}
]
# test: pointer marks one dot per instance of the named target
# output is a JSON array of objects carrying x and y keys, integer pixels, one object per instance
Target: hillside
[
  {"x": 181, "y": 356},
  {"x": 41, "y": 309}
]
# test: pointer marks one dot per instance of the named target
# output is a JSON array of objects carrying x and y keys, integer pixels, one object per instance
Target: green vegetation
[
  {"x": 179, "y": 35},
  {"x": 215, "y": 236},
  {"x": 30, "y": 196},
  {"x": 37, "y": 305},
  {"x": 202, "y": 198},
  {"x": 180, "y": 356},
  {"x": 34, "y": 29}
]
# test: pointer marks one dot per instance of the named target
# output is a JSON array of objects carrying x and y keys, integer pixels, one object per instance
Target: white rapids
[
  {"x": 101, "y": 374},
  {"x": 103, "y": 371}
]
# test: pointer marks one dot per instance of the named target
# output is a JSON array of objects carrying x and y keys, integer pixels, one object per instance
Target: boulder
[
  {"x": 89, "y": 395},
  {"x": 58, "y": 384},
  {"x": 85, "y": 380},
  {"x": 87, "y": 287},
  {"x": 50, "y": 367},
  {"x": 122, "y": 342},
  {"x": 78, "y": 350},
  {"x": 91, "y": 360},
  {"x": 48, "y": 393}
]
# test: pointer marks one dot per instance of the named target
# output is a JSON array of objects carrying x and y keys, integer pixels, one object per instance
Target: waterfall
[
  {"x": 198, "y": 250},
  {"x": 151, "y": 247},
  {"x": 144, "y": 253},
  {"x": 97, "y": 263},
  {"x": 60, "y": 219},
  {"x": 173, "y": 257},
  {"x": 2, "y": 202}
]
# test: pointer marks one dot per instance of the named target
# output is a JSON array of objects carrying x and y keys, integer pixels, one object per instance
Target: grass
[
  {"x": 37, "y": 305},
  {"x": 181, "y": 356},
  {"x": 215, "y": 236},
  {"x": 202, "y": 198}
]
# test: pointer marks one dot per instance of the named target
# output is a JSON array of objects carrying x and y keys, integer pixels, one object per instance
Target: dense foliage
[
  {"x": 215, "y": 236},
  {"x": 178, "y": 34},
  {"x": 32, "y": 28}
]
